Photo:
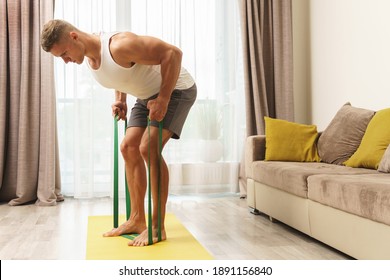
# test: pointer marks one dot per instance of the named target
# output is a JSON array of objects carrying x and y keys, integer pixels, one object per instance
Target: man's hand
[
  {"x": 119, "y": 108},
  {"x": 157, "y": 109}
]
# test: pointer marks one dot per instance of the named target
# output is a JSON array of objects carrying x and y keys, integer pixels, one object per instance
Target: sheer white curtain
[{"x": 207, "y": 32}]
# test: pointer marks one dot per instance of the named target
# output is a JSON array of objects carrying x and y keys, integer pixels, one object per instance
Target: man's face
[{"x": 69, "y": 49}]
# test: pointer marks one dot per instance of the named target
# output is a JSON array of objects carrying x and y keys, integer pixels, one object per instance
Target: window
[{"x": 208, "y": 34}]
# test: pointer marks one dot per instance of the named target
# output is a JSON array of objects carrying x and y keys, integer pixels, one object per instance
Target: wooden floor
[{"x": 221, "y": 223}]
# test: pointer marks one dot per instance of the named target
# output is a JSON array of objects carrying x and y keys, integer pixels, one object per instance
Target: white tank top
[{"x": 141, "y": 81}]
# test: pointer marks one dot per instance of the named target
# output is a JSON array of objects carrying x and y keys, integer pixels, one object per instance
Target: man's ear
[{"x": 73, "y": 35}]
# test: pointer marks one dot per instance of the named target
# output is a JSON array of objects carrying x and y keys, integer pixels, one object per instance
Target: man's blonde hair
[{"x": 53, "y": 32}]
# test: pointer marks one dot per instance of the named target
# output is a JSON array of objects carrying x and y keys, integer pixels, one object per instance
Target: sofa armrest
[{"x": 254, "y": 151}]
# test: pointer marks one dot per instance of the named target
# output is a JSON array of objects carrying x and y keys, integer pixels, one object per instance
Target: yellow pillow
[
  {"x": 288, "y": 141},
  {"x": 374, "y": 142}
]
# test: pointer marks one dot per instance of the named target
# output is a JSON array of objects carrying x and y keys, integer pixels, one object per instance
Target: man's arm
[{"x": 128, "y": 48}]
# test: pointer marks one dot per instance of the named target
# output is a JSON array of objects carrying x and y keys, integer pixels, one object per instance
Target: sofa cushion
[
  {"x": 384, "y": 165},
  {"x": 374, "y": 142},
  {"x": 292, "y": 176},
  {"x": 289, "y": 141},
  {"x": 343, "y": 135},
  {"x": 367, "y": 195}
]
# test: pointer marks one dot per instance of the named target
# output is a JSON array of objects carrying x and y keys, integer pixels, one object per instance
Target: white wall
[{"x": 348, "y": 56}]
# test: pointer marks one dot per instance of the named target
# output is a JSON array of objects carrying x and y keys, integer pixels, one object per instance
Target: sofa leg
[{"x": 255, "y": 211}]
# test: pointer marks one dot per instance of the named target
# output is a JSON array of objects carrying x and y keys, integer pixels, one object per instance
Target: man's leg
[
  {"x": 143, "y": 238},
  {"x": 136, "y": 180}
]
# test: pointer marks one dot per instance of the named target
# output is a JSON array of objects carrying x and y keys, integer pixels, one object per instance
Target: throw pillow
[
  {"x": 343, "y": 135},
  {"x": 384, "y": 165},
  {"x": 374, "y": 142},
  {"x": 288, "y": 141}
]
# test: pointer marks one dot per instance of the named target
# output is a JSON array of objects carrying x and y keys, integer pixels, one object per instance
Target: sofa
[{"x": 332, "y": 185}]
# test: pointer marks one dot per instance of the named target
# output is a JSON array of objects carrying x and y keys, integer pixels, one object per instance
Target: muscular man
[{"x": 149, "y": 69}]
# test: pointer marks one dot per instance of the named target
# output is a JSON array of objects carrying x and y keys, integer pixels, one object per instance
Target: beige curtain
[
  {"x": 267, "y": 45},
  {"x": 29, "y": 163}
]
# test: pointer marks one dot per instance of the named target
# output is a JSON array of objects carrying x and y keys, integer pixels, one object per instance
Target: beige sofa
[{"x": 347, "y": 208}]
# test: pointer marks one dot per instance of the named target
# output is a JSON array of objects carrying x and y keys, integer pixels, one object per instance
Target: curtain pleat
[
  {"x": 4, "y": 85},
  {"x": 30, "y": 164},
  {"x": 283, "y": 60},
  {"x": 268, "y": 69}
]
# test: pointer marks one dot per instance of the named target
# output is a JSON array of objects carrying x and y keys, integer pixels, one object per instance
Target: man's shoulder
[{"x": 123, "y": 36}]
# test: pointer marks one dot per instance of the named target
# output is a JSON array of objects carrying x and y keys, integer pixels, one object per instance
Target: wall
[{"x": 347, "y": 46}]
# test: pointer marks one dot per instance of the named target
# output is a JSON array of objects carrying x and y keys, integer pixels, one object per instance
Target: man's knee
[
  {"x": 129, "y": 149},
  {"x": 145, "y": 149}
]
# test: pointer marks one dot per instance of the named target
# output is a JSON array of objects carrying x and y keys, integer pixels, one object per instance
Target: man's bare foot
[
  {"x": 126, "y": 228},
  {"x": 143, "y": 238}
]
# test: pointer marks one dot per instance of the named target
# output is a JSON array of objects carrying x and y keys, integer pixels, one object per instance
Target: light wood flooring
[{"x": 222, "y": 223}]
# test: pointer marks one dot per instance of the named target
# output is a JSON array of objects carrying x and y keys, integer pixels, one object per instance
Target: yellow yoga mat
[{"x": 180, "y": 245}]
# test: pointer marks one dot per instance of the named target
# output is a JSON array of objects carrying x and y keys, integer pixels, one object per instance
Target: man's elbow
[
  {"x": 177, "y": 54},
  {"x": 172, "y": 56}
]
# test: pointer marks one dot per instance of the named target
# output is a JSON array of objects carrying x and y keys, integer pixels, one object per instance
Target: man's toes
[
  {"x": 108, "y": 233},
  {"x": 133, "y": 243},
  {"x": 137, "y": 243},
  {"x": 111, "y": 233}
]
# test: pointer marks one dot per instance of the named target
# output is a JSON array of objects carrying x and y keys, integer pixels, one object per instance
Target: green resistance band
[
  {"x": 116, "y": 205},
  {"x": 116, "y": 175},
  {"x": 128, "y": 201}
]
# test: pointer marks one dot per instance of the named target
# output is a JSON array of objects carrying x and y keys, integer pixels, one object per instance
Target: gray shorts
[{"x": 178, "y": 108}]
